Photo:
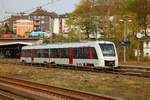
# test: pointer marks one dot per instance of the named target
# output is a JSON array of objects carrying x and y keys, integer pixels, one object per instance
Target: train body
[{"x": 92, "y": 53}]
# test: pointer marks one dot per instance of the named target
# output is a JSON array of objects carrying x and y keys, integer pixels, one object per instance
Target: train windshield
[{"x": 107, "y": 49}]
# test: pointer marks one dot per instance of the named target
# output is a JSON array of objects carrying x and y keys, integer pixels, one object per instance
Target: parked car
[
  {"x": 39, "y": 34},
  {"x": 7, "y": 35}
]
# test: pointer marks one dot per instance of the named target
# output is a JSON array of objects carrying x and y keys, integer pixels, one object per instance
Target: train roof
[{"x": 66, "y": 45}]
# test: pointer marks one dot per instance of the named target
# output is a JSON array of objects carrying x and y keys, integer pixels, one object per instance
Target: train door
[
  {"x": 71, "y": 55},
  {"x": 32, "y": 56}
]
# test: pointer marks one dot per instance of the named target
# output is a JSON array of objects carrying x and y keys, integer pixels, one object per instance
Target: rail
[
  {"x": 45, "y": 92},
  {"x": 121, "y": 70}
]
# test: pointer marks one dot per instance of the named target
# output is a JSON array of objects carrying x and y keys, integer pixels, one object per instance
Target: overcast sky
[{"x": 16, "y": 6}]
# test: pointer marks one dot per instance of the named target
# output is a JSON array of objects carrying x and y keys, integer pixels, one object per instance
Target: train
[{"x": 85, "y": 53}]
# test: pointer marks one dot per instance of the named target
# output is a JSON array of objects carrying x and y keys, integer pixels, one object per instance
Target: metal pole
[
  {"x": 125, "y": 31},
  {"x": 138, "y": 55}
]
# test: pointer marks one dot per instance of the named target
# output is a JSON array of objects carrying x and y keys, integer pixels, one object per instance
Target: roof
[
  {"x": 14, "y": 18},
  {"x": 13, "y": 43},
  {"x": 41, "y": 12},
  {"x": 64, "y": 15},
  {"x": 66, "y": 45}
]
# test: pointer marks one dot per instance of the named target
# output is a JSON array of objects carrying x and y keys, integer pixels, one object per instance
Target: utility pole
[
  {"x": 125, "y": 21},
  {"x": 124, "y": 35}
]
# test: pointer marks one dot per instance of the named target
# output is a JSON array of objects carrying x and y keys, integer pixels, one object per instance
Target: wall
[{"x": 23, "y": 27}]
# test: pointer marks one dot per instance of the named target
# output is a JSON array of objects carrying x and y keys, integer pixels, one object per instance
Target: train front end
[{"x": 108, "y": 55}]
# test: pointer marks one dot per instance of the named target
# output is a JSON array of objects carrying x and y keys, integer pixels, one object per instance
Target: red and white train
[{"x": 90, "y": 53}]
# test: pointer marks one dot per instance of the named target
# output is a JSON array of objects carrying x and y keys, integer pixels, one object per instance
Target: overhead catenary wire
[
  {"x": 28, "y": 10},
  {"x": 43, "y": 5}
]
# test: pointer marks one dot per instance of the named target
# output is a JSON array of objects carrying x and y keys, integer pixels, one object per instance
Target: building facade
[
  {"x": 11, "y": 22},
  {"x": 23, "y": 27},
  {"x": 146, "y": 47},
  {"x": 42, "y": 20},
  {"x": 63, "y": 28}
]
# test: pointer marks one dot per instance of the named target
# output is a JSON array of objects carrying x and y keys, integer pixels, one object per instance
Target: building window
[
  {"x": 147, "y": 44},
  {"x": 42, "y": 22},
  {"x": 147, "y": 54},
  {"x": 42, "y": 17},
  {"x": 34, "y": 17}
]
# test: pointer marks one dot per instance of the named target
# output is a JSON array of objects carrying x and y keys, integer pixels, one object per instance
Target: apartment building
[
  {"x": 63, "y": 28},
  {"x": 11, "y": 21},
  {"x": 43, "y": 20}
]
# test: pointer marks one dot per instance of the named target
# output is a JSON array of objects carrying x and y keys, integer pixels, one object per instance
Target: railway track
[
  {"x": 36, "y": 91},
  {"x": 121, "y": 70},
  {"x": 6, "y": 95},
  {"x": 134, "y": 71}
]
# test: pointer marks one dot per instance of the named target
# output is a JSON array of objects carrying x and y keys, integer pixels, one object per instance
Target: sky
[{"x": 17, "y": 6}]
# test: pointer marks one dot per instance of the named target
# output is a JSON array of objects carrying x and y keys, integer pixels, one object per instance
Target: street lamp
[{"x": 125, "y": 20}]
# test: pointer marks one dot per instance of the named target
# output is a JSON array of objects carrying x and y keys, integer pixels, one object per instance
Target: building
[
  {"x": 44, "y": 20},
  {"x": 146, "y": 47},
  {"x": 23, "y": 27},
  {"x": 63, "y": 28},
  {"x": 11, "y": 22},
  {"x": 12, "y": 49}
]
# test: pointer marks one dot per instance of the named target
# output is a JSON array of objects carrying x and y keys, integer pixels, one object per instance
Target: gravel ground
[{"x": 128, "y": 87}]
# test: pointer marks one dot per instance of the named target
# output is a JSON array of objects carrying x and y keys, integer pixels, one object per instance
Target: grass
[{"x": 128, "y": 87}]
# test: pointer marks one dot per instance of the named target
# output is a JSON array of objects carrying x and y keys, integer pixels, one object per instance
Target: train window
[
  {"x": 51, "y": 53},
  {"x": 23, "y": 53},
  {"x": 86, "y": 53},
  {"x": 93, "y": 51},
  {"x": 54, "y": 53},
  {"x": 38, "y": 53},
  {"x": 107, "y": 49},
  {"x": 81, "y": 53},
  {"x": 75, "y": 53},
  {"x": 42, "y": 53},
  {"x": 45, "y": 53},
  {"x": 67, "y": 52},
  {"x": 63, "y": 53},
  {"x": 59, "y": 53},
  {"x": 78, "y": 53},
  {"x": 26, "y": 53}
]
